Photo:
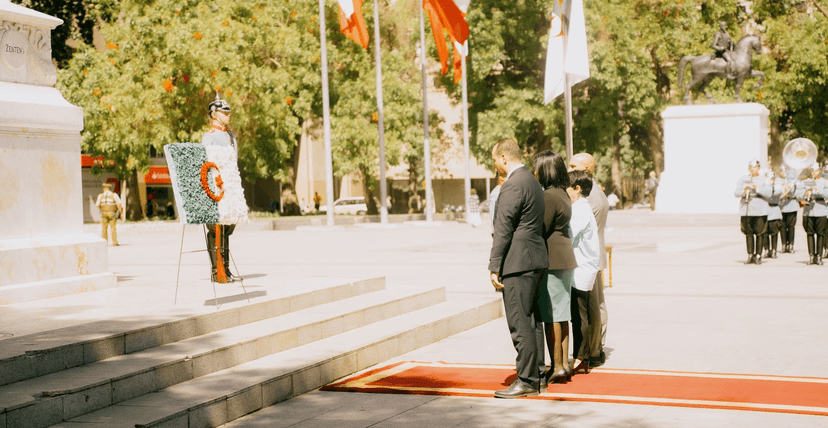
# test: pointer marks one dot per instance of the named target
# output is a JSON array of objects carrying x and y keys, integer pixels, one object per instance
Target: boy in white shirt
[{"x": 586, "y": 246}]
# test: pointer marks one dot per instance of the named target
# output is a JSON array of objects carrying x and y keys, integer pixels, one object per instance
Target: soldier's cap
[
  {"x": 815, "y": 166},
  {"x": 753, "y": 163},
  {"x": 219, "y": 105},
  {"x": 107, "y": 185}
]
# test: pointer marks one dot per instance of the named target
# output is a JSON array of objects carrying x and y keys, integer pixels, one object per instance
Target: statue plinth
[
  {"x": 706, "y": 150},
  {"x": 43, "y": 250}
]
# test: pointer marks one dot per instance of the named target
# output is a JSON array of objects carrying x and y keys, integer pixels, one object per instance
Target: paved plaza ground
[{"x": 681, "y": 299}]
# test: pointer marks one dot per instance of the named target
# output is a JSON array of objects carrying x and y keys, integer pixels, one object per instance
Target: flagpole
[
  {"x": 568, "y": 117},
  {"x": 326, "y": 118},
  {"x": 467, "y": 184},
  {"x": 567, "y": 98},
  {"x": 426, "y": 142},
  {"x": 380, "y": 120}
]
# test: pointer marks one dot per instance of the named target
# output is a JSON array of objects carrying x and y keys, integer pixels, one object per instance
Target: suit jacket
[
  {"x": 600, "y": 207},
  {"x": 518, "y": 244},
  {"x": 556, "y": 230}
]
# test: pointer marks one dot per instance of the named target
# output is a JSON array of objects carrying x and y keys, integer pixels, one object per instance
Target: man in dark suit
[
  {"x": 597, "y": 305},
  {"x": 518, "y": 262}
]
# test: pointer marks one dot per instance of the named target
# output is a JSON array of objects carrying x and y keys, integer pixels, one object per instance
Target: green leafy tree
[
  {"x": 165, "y": 61},
  {"x": 79, "y": 20}
]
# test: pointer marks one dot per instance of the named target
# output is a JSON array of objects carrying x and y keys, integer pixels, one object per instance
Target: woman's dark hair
[
  {"x": 551, "y": 170},
  {"x": 583, "y": 179}
]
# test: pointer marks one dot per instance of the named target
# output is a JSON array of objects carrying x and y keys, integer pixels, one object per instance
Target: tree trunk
[
  {"x": 776, "y": 145},
  {"x": 131, "y": 199},
  {"x": 616, "y": 167},
  {"x": 368, "y": 190},
  {"x": 296, "y": 153},
  {"x": 656, "y": 139}
]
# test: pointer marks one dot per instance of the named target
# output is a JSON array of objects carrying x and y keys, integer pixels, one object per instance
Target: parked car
[{"x": 352, "y": 206}]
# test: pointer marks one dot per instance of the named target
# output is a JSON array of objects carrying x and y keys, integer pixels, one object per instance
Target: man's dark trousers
[{"x": 520, "y": 300}]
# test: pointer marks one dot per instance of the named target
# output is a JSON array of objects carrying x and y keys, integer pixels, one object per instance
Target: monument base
[
  {"x": 706, "y": 149},
  {"x": 43, "y": 250},
  {"x": 44, "y": 267}
]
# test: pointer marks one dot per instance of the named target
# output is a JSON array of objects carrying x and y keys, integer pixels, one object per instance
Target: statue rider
[{"x": 723, "y": 45}]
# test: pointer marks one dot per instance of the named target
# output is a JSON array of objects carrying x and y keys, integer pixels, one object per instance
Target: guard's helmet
[
  {"x": 753, "y": 163},
  {"x": 107, "y": 185},
  {"x": 825, "y": 168},
  {"x": 219, "y": 105},
  {"x": 815, "y": 166}
]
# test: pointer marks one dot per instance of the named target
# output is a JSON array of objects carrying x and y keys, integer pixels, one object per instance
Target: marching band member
[
  {"x": 774, "y": 215},
  {"x": 753, "y": 191},
  {"x": 789, "y": 207},
  {"x": 813, "y": 194}
]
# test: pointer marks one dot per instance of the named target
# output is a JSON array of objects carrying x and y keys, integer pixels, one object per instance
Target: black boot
[
  {"x": 819, "y": 247},
  {"x": 211, "y": 250},
  {"x": 791, "y": 240},
  {"x": 750, "y": 248},
  {"x": 225, "y": 254},
  {"x": 760, "y": 243},
  {"x": 774, "y": 244},
  {"x": 811, "y": 245}
]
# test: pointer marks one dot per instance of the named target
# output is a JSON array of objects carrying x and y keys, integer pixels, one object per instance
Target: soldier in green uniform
[{"x": 109, "y": 203}]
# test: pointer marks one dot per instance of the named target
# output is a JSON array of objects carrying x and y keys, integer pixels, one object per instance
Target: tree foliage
[{"x": 79, "y": 20}]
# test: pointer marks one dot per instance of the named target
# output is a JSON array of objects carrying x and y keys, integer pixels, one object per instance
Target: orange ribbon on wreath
[{"x": 205, "y": 183}]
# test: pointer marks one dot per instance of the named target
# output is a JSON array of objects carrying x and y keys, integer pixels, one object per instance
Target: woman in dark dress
[{"x": 550, "y": 170}]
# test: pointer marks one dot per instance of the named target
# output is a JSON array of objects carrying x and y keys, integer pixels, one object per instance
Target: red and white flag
[
  {"x": 351, "y": 22},
  {"x": 445, "y": 15},
  {"x": 567, "y": 51}
]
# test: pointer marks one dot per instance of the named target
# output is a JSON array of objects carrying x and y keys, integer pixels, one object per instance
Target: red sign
[
  {"x": 158, "y": 175},
  {"x": 88, "y": 161}
]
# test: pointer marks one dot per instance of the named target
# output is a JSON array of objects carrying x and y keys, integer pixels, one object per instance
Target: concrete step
[
  {"x": 101, "y": 384},
  {"x": 225, "y": 395},
  {"x": 39, "y": 354}
]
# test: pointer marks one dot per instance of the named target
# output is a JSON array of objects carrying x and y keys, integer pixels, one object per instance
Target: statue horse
[{"x": 704, "y": 69}]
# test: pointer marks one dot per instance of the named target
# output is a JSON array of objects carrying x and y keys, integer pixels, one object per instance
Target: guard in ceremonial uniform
[
  {"x": 753, "y": 191},
  {"x": 109, "y": 203},
  {"x": 825, "y": 235},
  {"x": 789, "y": 207},
  {"x": 219, "y": 248},
  {"x": 774, "y": 215},
  {"x": 813, "y": 194}
]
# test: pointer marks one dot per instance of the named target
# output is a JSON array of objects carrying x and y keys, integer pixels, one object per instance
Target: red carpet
[{"x": 780, "y": 394}]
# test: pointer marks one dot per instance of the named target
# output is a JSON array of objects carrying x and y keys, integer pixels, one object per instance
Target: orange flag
[
  {"x": 351, "y": 21},
  {"x": 445, "y": 15}
]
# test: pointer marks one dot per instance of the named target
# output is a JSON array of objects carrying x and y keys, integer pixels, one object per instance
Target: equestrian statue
[{"x": 730, "y": 61}]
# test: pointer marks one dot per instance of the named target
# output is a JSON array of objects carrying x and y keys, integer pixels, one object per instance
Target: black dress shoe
[
  {"x": 757, "y": 259},
  {"x": 751, "y": 259},
  {"x": 561, "y": 376},
  {"x": 517, "y": 390}
]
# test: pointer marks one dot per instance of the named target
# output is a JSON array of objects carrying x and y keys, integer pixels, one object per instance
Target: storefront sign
[{"x": 158, "y": 175}]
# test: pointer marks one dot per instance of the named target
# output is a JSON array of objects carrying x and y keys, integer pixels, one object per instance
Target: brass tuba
[{"x": 798, "y": 155}]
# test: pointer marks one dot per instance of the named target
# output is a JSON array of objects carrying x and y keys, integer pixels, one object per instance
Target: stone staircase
[{"x": 208, "y": 369}]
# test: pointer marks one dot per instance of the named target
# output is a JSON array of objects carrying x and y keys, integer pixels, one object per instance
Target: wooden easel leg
[
  {"x": 180, "y": 252},
  {"x": 241, "y": 279}
]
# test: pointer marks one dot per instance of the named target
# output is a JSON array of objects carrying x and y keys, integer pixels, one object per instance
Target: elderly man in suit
[
  {"x": 518, "y": 263},
  {"x": 597, "y": 306}
]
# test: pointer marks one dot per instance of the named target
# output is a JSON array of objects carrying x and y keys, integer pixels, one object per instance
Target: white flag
[
  {"x": 347, "y": 7},
  {"x": 566, "y": 53}
]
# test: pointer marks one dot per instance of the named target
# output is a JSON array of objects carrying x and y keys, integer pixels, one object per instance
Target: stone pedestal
[
  {"x": 43, "y": 250},
  {"x": 706, "y": 149}
]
